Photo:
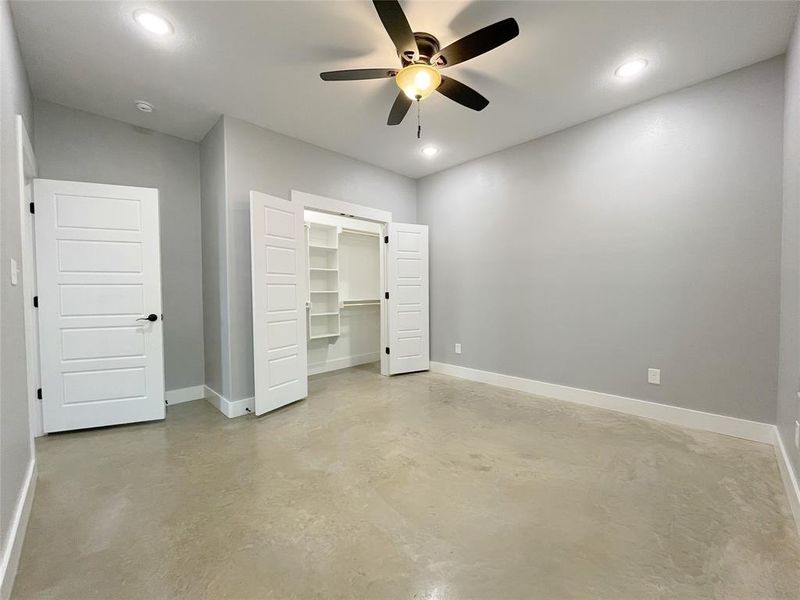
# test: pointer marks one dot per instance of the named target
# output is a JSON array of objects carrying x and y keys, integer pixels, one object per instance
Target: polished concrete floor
[{"x": 420, "y": 486}]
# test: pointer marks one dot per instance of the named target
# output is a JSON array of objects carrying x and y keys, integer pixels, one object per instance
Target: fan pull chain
[{"x": 419, "y": 125}]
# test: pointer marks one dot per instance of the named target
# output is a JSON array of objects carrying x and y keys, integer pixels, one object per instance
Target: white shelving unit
[
  {"x": 344, "y": 274},
  {"x": 323, "y": 281}
]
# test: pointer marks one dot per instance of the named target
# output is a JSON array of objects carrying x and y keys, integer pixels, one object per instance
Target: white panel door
[
  {"x": 98, "y": 269},
  {"x": 407, "y": 278},
  {"x": 279, "y": 278}
]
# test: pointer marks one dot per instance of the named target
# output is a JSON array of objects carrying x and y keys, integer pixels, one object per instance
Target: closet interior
[{"x": 344, "y": 289}]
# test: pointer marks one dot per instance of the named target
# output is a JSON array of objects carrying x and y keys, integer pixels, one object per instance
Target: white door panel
[
  {"x": 277, "y": 246},
  {"x": 407, "y": 277},
  {"x": 98, "y": 270}
]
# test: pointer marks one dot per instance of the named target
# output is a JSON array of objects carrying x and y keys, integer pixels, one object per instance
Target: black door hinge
[
  {"x": 39, "y": 393},
  {"x": 387, "y": 349},
  {"x": 36, "y": 302},
  {"x": 386, "y": 295},
  {"x": 386, "y": 239},
  {"x": 32, "y": 208}
]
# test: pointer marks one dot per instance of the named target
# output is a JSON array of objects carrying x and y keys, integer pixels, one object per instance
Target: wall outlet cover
[
  {"x": 458, "y": 348},
  {"x": 797, "y": 434},
  {"x": 14, "y": 272},
  {"x": 654, "y": 376}
]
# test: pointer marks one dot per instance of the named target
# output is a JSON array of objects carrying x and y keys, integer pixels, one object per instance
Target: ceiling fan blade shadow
[
  {"x": 357, "y": 74},
  {"x": 399, "y": 109},
  {"x": 462, "y": 93},
  {"x": 396, "y": 24},
  {"x": 477, "y": 43}
]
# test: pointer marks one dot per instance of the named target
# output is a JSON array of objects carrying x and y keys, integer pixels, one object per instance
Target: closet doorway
[
  {"x": 335, "y": 284},
  {"x": 343, "y": 301}
]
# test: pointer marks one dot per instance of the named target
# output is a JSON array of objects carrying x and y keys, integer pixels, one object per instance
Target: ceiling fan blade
[
  {"x": 396, "y": 25},
  {"x": 357, "y": 74},
  {"x": 462, "y": 93},
  {"x": 399, "y": 109},
  {"x": 477, "y": 43}
]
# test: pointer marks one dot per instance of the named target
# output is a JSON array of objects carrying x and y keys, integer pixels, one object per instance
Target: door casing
[{"x": 26, "y": 161}]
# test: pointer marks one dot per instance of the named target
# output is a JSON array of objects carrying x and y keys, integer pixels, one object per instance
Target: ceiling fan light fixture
[{"x": 418, "y": 81}]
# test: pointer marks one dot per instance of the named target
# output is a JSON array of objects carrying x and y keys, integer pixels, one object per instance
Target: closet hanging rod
[
  {"x": 365, "y": 303},
  {"x": 357, "y": 232}
]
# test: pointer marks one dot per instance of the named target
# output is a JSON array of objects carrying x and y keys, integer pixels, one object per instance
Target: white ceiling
[{"x": 259, "y": 61}]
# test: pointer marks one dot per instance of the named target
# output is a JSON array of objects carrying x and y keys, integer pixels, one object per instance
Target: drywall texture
[
  {"x": 646, "y": 238},
  {"x": 789, "y": 377},
  {"x": 79, "y": 146},
  {"x": 15, "y": 437},
  {"x": 215, "y": 269},
  {"x": 261, "y": 160}
]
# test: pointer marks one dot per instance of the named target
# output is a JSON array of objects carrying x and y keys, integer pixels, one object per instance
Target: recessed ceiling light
[
  {"x": 430, "y": 151},
  {"x": 632, "y": 67},
  {"x": 144, "y": 106},
  {"x": 152, "y": 22}
]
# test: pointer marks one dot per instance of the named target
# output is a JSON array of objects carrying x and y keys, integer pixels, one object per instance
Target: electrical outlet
[
  {"x": 14, "y": 272},
  {"x": 654, "y": 376},
  {"x": 458, "y": 348},
  {"x": 797, "y": 434}
]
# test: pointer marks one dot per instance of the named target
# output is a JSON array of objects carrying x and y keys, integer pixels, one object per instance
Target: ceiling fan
[{"x": 421, "y": 58}]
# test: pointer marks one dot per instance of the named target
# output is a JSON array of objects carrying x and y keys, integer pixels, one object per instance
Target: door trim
[
  {"x": 26, "y": 162},
  {"x": 331, "y": 205}
]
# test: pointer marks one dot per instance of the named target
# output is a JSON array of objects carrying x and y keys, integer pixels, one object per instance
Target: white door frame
[
  {"x": 358, "y": 211},
  {"x": 26, "y": 161}
]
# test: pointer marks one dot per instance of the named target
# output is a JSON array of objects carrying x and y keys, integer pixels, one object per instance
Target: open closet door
[
  {"x": 278, "y": 259},
  {"x": 407, "y": 277}
]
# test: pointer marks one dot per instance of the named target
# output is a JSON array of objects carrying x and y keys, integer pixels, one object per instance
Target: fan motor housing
[{"x": 427, "y": 44}]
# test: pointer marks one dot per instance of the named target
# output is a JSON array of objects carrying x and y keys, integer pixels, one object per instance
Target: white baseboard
[
  {"x": 16, "y": 533},
  {"x": 230, "y": 408},
  {"x": 686, "y": 417},
  {"x": 789, "y": 478},
  {"x": 343, "y": 363},
  {"x": 187, "y": 394}
]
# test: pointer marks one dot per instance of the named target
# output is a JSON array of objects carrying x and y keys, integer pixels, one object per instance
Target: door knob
[{"x": 151, "y": 317}]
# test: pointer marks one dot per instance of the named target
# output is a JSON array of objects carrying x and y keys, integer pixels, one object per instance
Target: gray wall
[
  {"x": 79, "y": 146},
  {"x": 15, "y": 436},
  {"x": 258, "y": 159},
  {"x": 789, "y": 379},
  {"x": 215, "y": 256},
  {"x": 646, "y": 238}
]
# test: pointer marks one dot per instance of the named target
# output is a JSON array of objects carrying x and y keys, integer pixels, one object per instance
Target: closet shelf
[
  {"x": 322, "y": 247},
  {"x": 323, "y": 269},
  {"x": 323, "y": 314},
  {"x": 323, "y": 335},
  {"x": 324, "y": 291},
  {"x": 345, "y": 230}
]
